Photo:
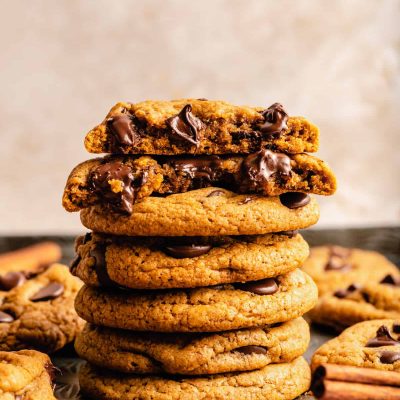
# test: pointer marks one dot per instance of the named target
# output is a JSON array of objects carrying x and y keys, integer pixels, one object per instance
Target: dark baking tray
[{"x": 385, "y": 240}]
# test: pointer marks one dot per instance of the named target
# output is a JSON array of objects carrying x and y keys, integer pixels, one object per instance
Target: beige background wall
[{"x": 65, "y": 63}]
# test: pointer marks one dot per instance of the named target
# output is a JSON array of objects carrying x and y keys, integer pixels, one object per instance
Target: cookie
[
  {"x": 26, "y": 374},
  {"x": 210, "y": 309},
  {"x": 121, "y": 181},
  {"x": 335, "y": 267},
  {"x": 193, "y": 353},
  {"x": 369, "y": 344},
  {"x": 358, "y": 303},
  {"x": 199, "y": 126},
  {"x": 206, "y": 212},
  {"x": 185, "y": 262},
  {"x": 273, "y": 382},
  {"x": 37, "y": 311}
]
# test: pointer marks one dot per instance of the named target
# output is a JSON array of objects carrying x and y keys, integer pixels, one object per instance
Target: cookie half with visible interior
[
  {"x": 357, "y": 303},
  {"x": 193, "y": 353},
  {"x": 185, "y": 262},
  {"x": 273, "y": 382},
  {"x": 26, "y": 374},
  {"x": 37, "y": 309},
  {"x": 369, "y": 344},
  {"x": 335, "y": 267},
  {"x": 200, "y": 126},
  {"x": 209, "y": 309},
  {"x": 206, "y": 212},
  {"x": 121, "y": 181}
]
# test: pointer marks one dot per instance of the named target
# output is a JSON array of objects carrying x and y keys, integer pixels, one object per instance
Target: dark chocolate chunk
[
  {"x": 275, "y": 118},
  {"x": 391, "y": 280},
  {"x": 123, "y": 132},
  {"x": 383, "y": 338},
  {"x": 11, "y": 280},
  {"x": 186, "y": 126},
  {"x": 258, "y": 168},
  {"x": 49, "y": 292},
  {"x": 246, "y": 200},
  {"x": 216, "y": 192},
  {"x": 396, "y": 327},
  {"x": 389, "y": 357},
  {"x": 345, "y": 292},
  {"x": 338, "y": 259},
  {"x": 264, "y": 287},
  {"x": 187, "y": 251},
  {"x": 87, "y": 237},
  {"x": 74, "y": 264},
  {"x": 100, "y": 264},
  {"x": 4, "y": 317},
  {"x": 289, "y": 234},
  {"x": 200, "y": 168},
  {"x": 122, "y": 199},
  {"x": 294, "y": 199},
  {"x": 252, "y": 350}
]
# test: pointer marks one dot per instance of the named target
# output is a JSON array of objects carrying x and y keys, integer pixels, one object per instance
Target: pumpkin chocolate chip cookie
[
  {"x": 200, "y": 126},
  {"x": 273, "y": 382},
  {"x": 206, "y": 212},
  {"x": 185, "y": 262},
  {"x": 193, "y": 353},
  {"x": 357, "y": 303},
  {"x": 335, "y": 267},
  {"x": 208, "y": 309},
  {"x": 369, "y": 344},
  {"x": 37, "y": 309},
  {"x": 121, "y": 181},
  {"x": 26, "y": 374}
]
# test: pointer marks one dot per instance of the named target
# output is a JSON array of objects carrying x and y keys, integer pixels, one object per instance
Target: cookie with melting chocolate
[
  {"x": 369, "y": 344},
  {"x": 198, "y": 126},
  {"x": 37, "y": 310},
  {"x": 193, "y": 353},
  {"x": 209, "y": 309},
  {"x": 185, "y": 262}
]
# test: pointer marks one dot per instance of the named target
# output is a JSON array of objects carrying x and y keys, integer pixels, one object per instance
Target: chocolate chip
[
  {"x": 121, "y": 197},
  {"x": 123, "y": 132},
  {"x": 100, "y": 265},
  {"x": 342, "y": 293},
  {"x": 339, "y": 251},
  {"x": 258, "y": 168},
  {"x": 391, "y": 280},
  {"x": 264, "y": 287},
  {"x": 338, "y": 259},
  {"x": 215, "y": 193},
  {"x": 4, "y": 317},
  {"x": 389, "y": 357},
  {"x": 289, "y": 234},
  {"x": 11, "y": 280},
  {"x": 294, "y": 199},
  {"x": 187, "y": 251},
  {"x": 383, "y": 338},
  {"x": 246, "y": 200},
  {"x": 49, "y": 292},
  {"x": 396, "y": 328},
  {"x": 186, "y": 126},
  {"x": 87, "y": 237},
  {"x": 200, "y": 168},
  {"x": 51, "y": 370},
  {"x": 275, "y": 120},
  {"x": 252, "y": 350},
  {"x": 74, "y": 264}
]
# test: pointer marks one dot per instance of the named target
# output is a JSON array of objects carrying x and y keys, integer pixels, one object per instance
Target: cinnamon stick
[{"x": 30, "y": 258}]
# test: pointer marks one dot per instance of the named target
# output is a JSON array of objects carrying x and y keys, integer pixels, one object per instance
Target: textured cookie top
[
  {"x": 194, "y": 354},
  {"x": 37, "y": 311},
  {"x": 26, "y": 374},
  {"x": 206, "y": 212},
  {"x": 335, "y": 267},
  {"x": 370, "y": 344},
  {"x": 121, "y": 181},
  {"x": 274, "y": 382},
  {"x": 210, "y": 309},
  {"x": 196, "y": 126},
  {"x": 184, "y": 262}
]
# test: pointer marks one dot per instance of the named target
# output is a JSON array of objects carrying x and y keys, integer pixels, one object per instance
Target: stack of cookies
[{"x": 192, "y": 281}]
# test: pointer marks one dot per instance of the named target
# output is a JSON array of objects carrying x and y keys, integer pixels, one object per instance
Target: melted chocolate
[
  {"x": 187, "y": 251},
  {"x": 87, "y": 238},
  {"x": 100, "y": 265},
  {"x": 391, "y": 280},
  {"x": 114, "y": 170},
  {"x": 389, "y": 357},
  {"x": 4, "y": 317},
  {"x": 49, "y": 292},
  {"x": 123, "y": 133},
  {"x": 383, "y": 338},
  {"x": 396, "y": 328},
  {"x": 275, "y": 118},
  {"x": 294, "y": 199},
  {"x": 258, "y": 168},
  {"x": 341, "y": 294},
  {"x": 264, "y": 287},
  {"x": 186, "y": 126},
  {"x": 11, "y": 280},
  {"x": 249, "y": 350},
  {"x": 74, "y": 264},
  {"x": 201, "y": 168}
]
